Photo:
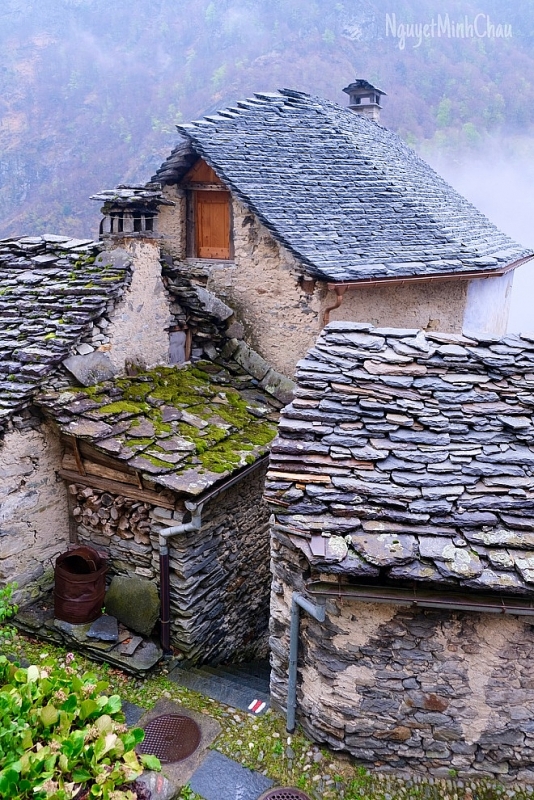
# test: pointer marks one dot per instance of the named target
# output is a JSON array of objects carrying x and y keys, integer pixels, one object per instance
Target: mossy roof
[{"x": 183, "y": 427}]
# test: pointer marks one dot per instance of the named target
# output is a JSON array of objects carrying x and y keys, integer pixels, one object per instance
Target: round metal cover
[
  {"x": 284, "y": 793},
  {"x": 171, "y": 737}
]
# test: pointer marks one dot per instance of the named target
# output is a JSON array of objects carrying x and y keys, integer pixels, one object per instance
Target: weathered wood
[
  {"x": 91, "y": 454},
  {"x": 295, "y": 476},
  {"x": 205, "y": 187},
  {"x": 90, "y": 468},
  {"x": 126, "y": 490},
  {"x": 212, "y": 224},
  {"x": 77, "y": 456},
  {"x": 201, "y": 172}
]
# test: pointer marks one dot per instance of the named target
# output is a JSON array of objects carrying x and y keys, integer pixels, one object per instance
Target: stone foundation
[
  {"x": 407, "y": 690},
  {"x": 219, "y": 576}
]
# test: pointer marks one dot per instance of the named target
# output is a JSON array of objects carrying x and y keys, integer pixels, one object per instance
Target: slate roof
[
  {"x": 183, "y": 428},
  {"x": 51, "y": 289},
  {"x": 132, "y": 196},
  {"x": 408, "y": 456},
  {"x": 348, "y": 197}
]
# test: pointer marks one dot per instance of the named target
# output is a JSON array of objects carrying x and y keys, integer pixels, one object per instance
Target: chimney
[{"x": 364, "y": 98}]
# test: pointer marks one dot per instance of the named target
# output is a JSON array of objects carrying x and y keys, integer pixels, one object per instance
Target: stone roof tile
[
  {"x": 441, "y": 482},
  {"x": 51, "y": 289},
  {"x": 348, "y": 197},
  {"x": 183, "y": 427}
]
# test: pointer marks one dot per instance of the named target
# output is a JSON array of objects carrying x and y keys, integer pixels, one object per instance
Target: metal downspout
[
  {"x": 193, "y": 525},
  {"x": 340, "y": 290},
  {"x": 318, "y": 612}
]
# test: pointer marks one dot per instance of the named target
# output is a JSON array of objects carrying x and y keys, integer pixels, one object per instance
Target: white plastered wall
[
  {"x": 139, "y": 329},
  {"x": 34, "y": 525},
  {"x": 488, "y": 305}
]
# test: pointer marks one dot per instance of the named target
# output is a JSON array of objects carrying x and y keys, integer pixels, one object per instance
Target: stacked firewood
[{"x": 111, "y": 515}]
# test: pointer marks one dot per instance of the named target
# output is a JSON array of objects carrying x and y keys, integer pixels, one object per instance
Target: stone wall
[
  {"x": 405, "y": 461},
  {"x": 139, "y": 329},
  {"x": 260, "y": 284},
  {"x": 435, "y": 305},
  {"x": 34, "y": 525},
  {"x": 171, "y": 222},
  {"x": 219, "y": 576},
  {"x": 409, "y": 690}
]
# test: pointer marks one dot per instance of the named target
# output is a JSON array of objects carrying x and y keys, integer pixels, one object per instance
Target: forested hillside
[{"x": 90, "y": 90}]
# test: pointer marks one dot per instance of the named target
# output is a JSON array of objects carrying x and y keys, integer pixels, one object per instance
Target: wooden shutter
[{"x": 212, "y": 224}]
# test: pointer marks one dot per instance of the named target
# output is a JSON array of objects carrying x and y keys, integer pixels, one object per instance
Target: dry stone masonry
[
  {"x": 219, "y": 576},
  {"x": 405, "y": 460},
  {"x": 417, "y": 458},
  {"x": 53, "y": 291}
]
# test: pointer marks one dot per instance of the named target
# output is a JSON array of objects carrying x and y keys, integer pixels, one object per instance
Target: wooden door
[{"x": 212, "y": 224}]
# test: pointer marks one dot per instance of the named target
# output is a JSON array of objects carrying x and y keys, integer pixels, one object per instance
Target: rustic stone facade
[
  {"x": 34, "y": 526},
  {"x": 219, "y": 575},
  {"x": 438, "y": 306},
  {"x": 408, "y": 690},
  {"x": 404, "y": 463},
  {"x": 139, "y": 329}
]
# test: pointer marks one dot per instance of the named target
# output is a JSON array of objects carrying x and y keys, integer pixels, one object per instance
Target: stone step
[
  {"x": 259, "y": 669},
  {"x": 220, "y": 688},
  {"x": 242, "y": 678}
]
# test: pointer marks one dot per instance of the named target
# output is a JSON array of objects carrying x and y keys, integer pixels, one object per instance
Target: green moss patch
[{"x": 234, "y": 436}]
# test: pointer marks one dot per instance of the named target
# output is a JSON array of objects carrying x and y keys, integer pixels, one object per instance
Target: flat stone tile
[
  {"x": 132, "y": 712},
  {"x": 219, "y": 777}
]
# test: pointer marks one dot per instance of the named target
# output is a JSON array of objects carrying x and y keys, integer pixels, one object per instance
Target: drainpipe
[
  {"x": 298, "y": 601},
  {"x": 195, "y": 524},
  {"x": 340, "y": 290},
  {"x": 165, "y": 590}
]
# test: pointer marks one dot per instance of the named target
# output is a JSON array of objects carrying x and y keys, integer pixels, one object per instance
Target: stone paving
[{"x": 209, "y": 773}]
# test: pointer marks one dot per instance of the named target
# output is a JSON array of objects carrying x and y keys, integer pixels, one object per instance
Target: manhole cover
[
  {"x": 171, "y": 737},
  {"x": 284, "y": 793}
]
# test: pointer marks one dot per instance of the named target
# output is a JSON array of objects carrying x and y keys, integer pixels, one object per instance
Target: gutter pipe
[
  {"x": 194, "y": 509},
  {"x": 318, "y": 612},
  {"x": 341, "y": 287}
]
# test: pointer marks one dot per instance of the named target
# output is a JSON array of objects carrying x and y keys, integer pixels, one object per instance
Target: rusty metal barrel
[{"x": 80, "y": 585}]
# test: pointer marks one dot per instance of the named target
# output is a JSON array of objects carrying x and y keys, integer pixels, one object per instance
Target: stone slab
[
  {"x": 219, "y": 688},
  {"x": 219, "y": 777},
  {"x": 89, "y": 369},
  {"x": 105, "y": 628},
  {"x": 132, "y": 712}
]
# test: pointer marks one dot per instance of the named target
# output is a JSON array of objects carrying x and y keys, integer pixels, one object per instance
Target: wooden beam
[
  {"x": 90, "y": 468},
  {"x": 77, "y": 457},
  {"x": 114, "y": 487}
]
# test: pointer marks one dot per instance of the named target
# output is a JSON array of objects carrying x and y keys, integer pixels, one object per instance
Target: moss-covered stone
[
  {"x": 233, "y": 436},
  {"x": 134, "y": 602}
]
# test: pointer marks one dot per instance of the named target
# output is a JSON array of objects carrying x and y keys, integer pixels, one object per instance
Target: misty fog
[{"x": 503, "y": 189}]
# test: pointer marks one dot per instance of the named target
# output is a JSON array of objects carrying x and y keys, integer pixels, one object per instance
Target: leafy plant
[
  {"x": 59, "y": 735},
  {"x": 7, "y": 608}
]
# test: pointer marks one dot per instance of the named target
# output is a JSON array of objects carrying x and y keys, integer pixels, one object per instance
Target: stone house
[
  {"x": 291, "y": 210},
  {"x": 402, "y": 489},
  {"x": 110, "y": 439},
  {"x": 389, "y": 487}
]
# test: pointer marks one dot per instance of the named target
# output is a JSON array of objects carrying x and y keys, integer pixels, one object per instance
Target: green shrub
[{"x": 59, "y": 734}]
